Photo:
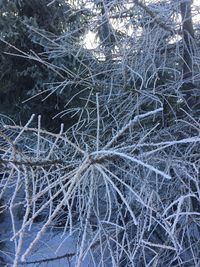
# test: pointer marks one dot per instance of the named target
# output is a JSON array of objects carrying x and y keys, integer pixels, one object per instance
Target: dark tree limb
[
  {"x": 66, "y": 255},
  {"x": 188, "y": 38},
  {"x": 154, "y": 16}
]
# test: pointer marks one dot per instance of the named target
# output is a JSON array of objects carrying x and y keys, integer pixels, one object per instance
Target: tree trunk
[
  {"x": 188, "y": 39},
  {"x": 106, "y": 35}
]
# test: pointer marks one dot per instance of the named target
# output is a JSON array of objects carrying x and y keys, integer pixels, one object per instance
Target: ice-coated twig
[
  {"x": 105, "y": 153},
  {"x": 98, "y": 121},
  {"x": 88, "y": 212},
  {"x": 130, "y": 124},
  {"x": 21, "y": 236},
  {"x": 44, "y": 227},
  {"x": 120, "y": 194}
]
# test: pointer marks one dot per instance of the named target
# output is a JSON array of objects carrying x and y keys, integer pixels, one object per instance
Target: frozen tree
[{"x": 123, "y": 180}]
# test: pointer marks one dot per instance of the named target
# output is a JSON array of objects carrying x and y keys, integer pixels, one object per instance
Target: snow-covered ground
[
  {"x": 55, "y": 248},
  {"x": 54, "y": 245}
]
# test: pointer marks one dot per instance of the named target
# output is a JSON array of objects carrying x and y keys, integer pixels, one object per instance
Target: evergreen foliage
[{"x": 29, "y": 28}]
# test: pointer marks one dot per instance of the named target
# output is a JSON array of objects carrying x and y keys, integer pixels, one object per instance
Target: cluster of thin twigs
[{"x": 126, "y": 186}]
